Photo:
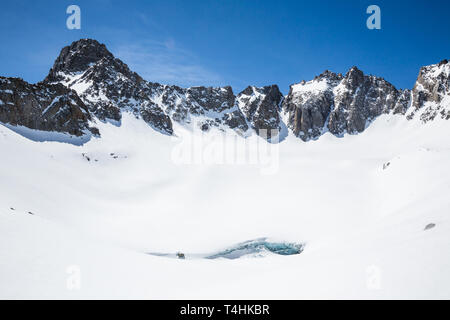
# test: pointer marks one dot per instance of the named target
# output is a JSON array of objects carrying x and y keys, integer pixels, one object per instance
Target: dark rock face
[
  {"x": 156, "y": 117},
  {"x": 431, "y": 93},
  {"x": 358, "y": 100},
  {"x": 203, "y": 107},
  {"x": 77, "y": 58},
  {"x": 340, "y": 104},
  {"x": 43, "y": 107},
  {"x": 308, "y": 105},
  {"x": 212, "y": 99},
  {"x": 403, "y": 102},
  {"x": 261, "y": 107}
]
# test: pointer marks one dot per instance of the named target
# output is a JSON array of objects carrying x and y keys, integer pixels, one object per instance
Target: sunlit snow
[{"x": 364, "y": 223}]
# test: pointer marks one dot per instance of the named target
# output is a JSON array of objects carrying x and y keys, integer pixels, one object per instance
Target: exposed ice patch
[{"x": 258, "y": 248}]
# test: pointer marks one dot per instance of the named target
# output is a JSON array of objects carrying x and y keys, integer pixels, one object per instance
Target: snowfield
[{"x": 80, "y": 221}]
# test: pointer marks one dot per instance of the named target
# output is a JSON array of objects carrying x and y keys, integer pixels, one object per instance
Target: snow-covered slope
[{"x": 93, "y": 213}]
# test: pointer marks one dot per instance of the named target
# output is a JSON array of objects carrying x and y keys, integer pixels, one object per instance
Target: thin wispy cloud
[{"x": 165, "y": 62}]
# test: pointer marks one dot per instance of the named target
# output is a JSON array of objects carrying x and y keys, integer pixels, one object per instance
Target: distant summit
[{"x": 77, "y": 57}]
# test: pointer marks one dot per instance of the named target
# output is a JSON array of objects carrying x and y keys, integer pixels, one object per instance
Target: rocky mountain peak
[
  {"x": 353, "y": 77},
  {"x": 329, "y": 75},
  {"x": 261, "y": 107},
  {"x": 78, "y": 57},
  {"x": 108, "y": 88},
  {"x": 445, "y": 61}
]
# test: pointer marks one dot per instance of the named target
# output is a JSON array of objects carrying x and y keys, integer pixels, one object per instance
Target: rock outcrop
[
  {"x": 261, "y": 107},
  {"x": 359, "y": 99},
  {"x": 308, "y": 105},
  {"x": 340, "y": 104},
  {"x": 200, "y": 107},
  {"x": 42, "y": 106},
  {"x": 431, "y": 93}
]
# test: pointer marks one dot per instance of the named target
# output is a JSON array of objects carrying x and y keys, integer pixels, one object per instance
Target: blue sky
[{"x": 232, "y": 42}]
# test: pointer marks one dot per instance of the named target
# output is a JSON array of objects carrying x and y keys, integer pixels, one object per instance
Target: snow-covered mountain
[
  {"x": 107, "y": 88},
  {"x": 114, "y": 213},
  {"x": 341, "y": 104}
]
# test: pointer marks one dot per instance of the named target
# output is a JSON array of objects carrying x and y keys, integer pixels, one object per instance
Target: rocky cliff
[
  {"x": 42, "y": 106},
  {"x": 340, "y": 104},
  {"x": 431, "y": 93}
]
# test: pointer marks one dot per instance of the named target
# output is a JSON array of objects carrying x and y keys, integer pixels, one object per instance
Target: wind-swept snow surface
[{"x": 79, "y": 221}]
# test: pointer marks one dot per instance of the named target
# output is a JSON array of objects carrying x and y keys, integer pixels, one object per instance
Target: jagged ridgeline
[{"x": 88, "y": 84}]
